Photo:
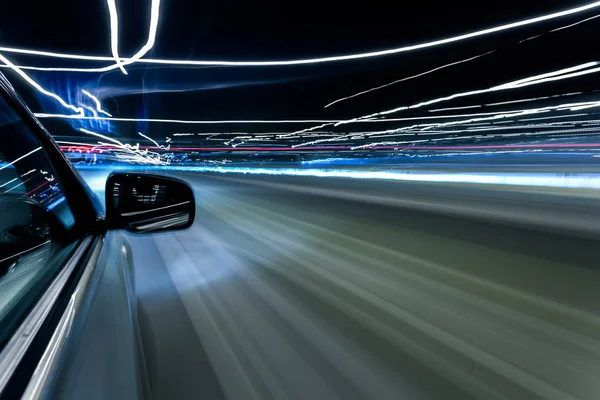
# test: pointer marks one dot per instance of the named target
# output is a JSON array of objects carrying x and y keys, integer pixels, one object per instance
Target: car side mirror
[{"x": 148, "y": 203}]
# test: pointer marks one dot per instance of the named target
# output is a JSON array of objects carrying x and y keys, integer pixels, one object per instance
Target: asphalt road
[{"x": 320, "y": 288}]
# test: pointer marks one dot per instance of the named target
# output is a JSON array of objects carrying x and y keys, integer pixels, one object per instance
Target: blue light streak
[{"x": 542, "y": 179}]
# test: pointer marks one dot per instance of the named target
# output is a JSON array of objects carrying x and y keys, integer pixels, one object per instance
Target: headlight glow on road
[{"x": 542, "y": 179}]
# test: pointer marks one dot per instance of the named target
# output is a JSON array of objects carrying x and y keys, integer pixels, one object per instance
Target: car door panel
[{"x": 99, "y": 355}]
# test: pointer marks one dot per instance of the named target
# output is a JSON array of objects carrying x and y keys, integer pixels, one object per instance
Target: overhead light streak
[
  {"x": 97, "y": 102},
  {"x": 78, "y": 110},
  {"x": 120, "y": 61},
  {"x": 114, "y": 33},
  {"x": 90, "y": 109},
  {"x": 585, "y": 107},
  {"x": 404, "y": 49},
  {"x": 19, "y": 159},
  {"x": 448, "y": 65},
  {"x": 183, "y": 121},
  {"x": 153, "y": 27},
  {"x": 561, "y": 28},
  {"x": 133, "y": 153},
  {"x": 217, "y": 122},
  {"x": 407, "y": 78},
  {"x": 154, "y": 141},
  {"x": 561, "y": 74},
  {"x": 565, "y": 73},
  {"x": 490, "y": 116},
  {"x": 154, "y": 16},
  {"x": 508, "y": 102}
]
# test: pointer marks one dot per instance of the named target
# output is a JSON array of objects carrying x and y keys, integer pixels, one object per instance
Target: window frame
[
  {"x": 86, "y": 234},
  {"x": 84, "y": 204}
]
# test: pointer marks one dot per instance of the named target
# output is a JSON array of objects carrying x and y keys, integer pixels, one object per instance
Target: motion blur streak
[
  {"x": 540, "y": 179},
  {"x": 19, "y": 159},
  {"x": 302, "y": 288},
  {"x": 154, "y": 141},
  {"x": 562, "y": 28},
  {"x": 408, "y": 78},
  {"x": 114, "y": 33},
  {"x": 97, "y": 102},
  {"x": 185, "y": 121},
  {"x": 398, "y": 50},
  {"x": 451, "y": 64},
  {"x": 78, "y": 110},
  {"x": 521, "y": 179},
  {"x": 129, "y": 153},
  {"x": 561, "y": 74},
  {"x": 154, "y": 16}
]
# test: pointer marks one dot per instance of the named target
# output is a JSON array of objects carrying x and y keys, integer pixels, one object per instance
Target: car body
[{"x": 68, "y": 309}]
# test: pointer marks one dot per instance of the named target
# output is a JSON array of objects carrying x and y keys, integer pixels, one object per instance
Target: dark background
[{"x": 269, "y": 30}]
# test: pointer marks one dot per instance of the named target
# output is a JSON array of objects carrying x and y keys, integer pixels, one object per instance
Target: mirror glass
[{"x": 148, "y": 203}]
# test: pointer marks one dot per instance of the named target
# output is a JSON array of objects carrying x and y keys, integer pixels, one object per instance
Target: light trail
[
  {"x": 153, "y": 27},
  {"x": 448, "y": 65},
  {"x": 82, "y": 147},
  {"x": 561, "y": 74},
  {"x": 97, "y": 102},
  {"x": 90, "y": 109},
  {"x": 154, "y": 141},
  {"x": 217, "y": 122},
  {"x": 114, "y": 33},
  {"x": 19, "y": 159},
  {"x": 591, "y": 181},
  {"x": 575, "y": 24},
  {"x": 561, "y": 28},
  {"x": 115, "y": 141},
  {"x": 508, "y": 102},
  {"x": 407, "y": 78},
  {"x": 377, "y": 147},
  {"x": 492, "y": 116},
  {"x": 183, "y": 121},
  {"x": 404, "y": 49},
  {"x": 78, "y": 110},
  {"x": 133, "y": 153},
  {"x": 154, "y": 16},
  {"x": 565, "y": 73},
  {"x": 120, "y": 62}
]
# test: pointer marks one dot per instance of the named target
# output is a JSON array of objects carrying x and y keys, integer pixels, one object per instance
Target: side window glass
[{"x": 34, "y": 213}]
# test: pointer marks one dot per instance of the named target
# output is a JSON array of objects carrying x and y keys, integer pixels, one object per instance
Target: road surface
[{"x": 322, "y": 288}]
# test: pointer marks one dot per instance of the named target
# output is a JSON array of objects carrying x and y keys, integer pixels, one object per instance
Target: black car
[{"x": 68, "y": 319}]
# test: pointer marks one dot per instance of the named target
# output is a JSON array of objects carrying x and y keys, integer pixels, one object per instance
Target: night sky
[{"x": 269, "y": 30}]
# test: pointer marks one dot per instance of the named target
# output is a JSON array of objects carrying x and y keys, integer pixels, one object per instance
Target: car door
[{"x": 68, "y": 326}]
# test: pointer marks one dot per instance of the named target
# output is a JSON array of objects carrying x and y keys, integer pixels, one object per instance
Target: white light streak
[
  {"x": 533, "y": 80},
  {"x": 133, "y": 153},
  {"x": 20, "y": 158},
  {"x": 114, "y": 33},
  {"x": 488, "y": 116},
  {"x": 183, "y": 121},
  {"x": 90, "y": 109},
  {"x": 154, "y": 141},
  {"x": 97, "y": 102},
  {"x": 408, "y": 78},
  {"x": 9, "y": 182},
  {"x": 404, "y": 49},
  {"x": 33, "y": 83},
  {"x": 507, "y": 102},
  {"x": 120, "y": 61},
  {"x": 565, "y": 73},
  {"x": 561, "y": 28},
  {"x": 520, "y": 179},
  {"x": 154, "y": 16}
]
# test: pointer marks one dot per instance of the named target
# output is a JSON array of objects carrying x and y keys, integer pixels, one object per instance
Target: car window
[{"x": 34, "y": 219}]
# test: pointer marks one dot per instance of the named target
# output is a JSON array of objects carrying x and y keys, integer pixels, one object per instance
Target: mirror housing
[{"x": 142, "y": 203}]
